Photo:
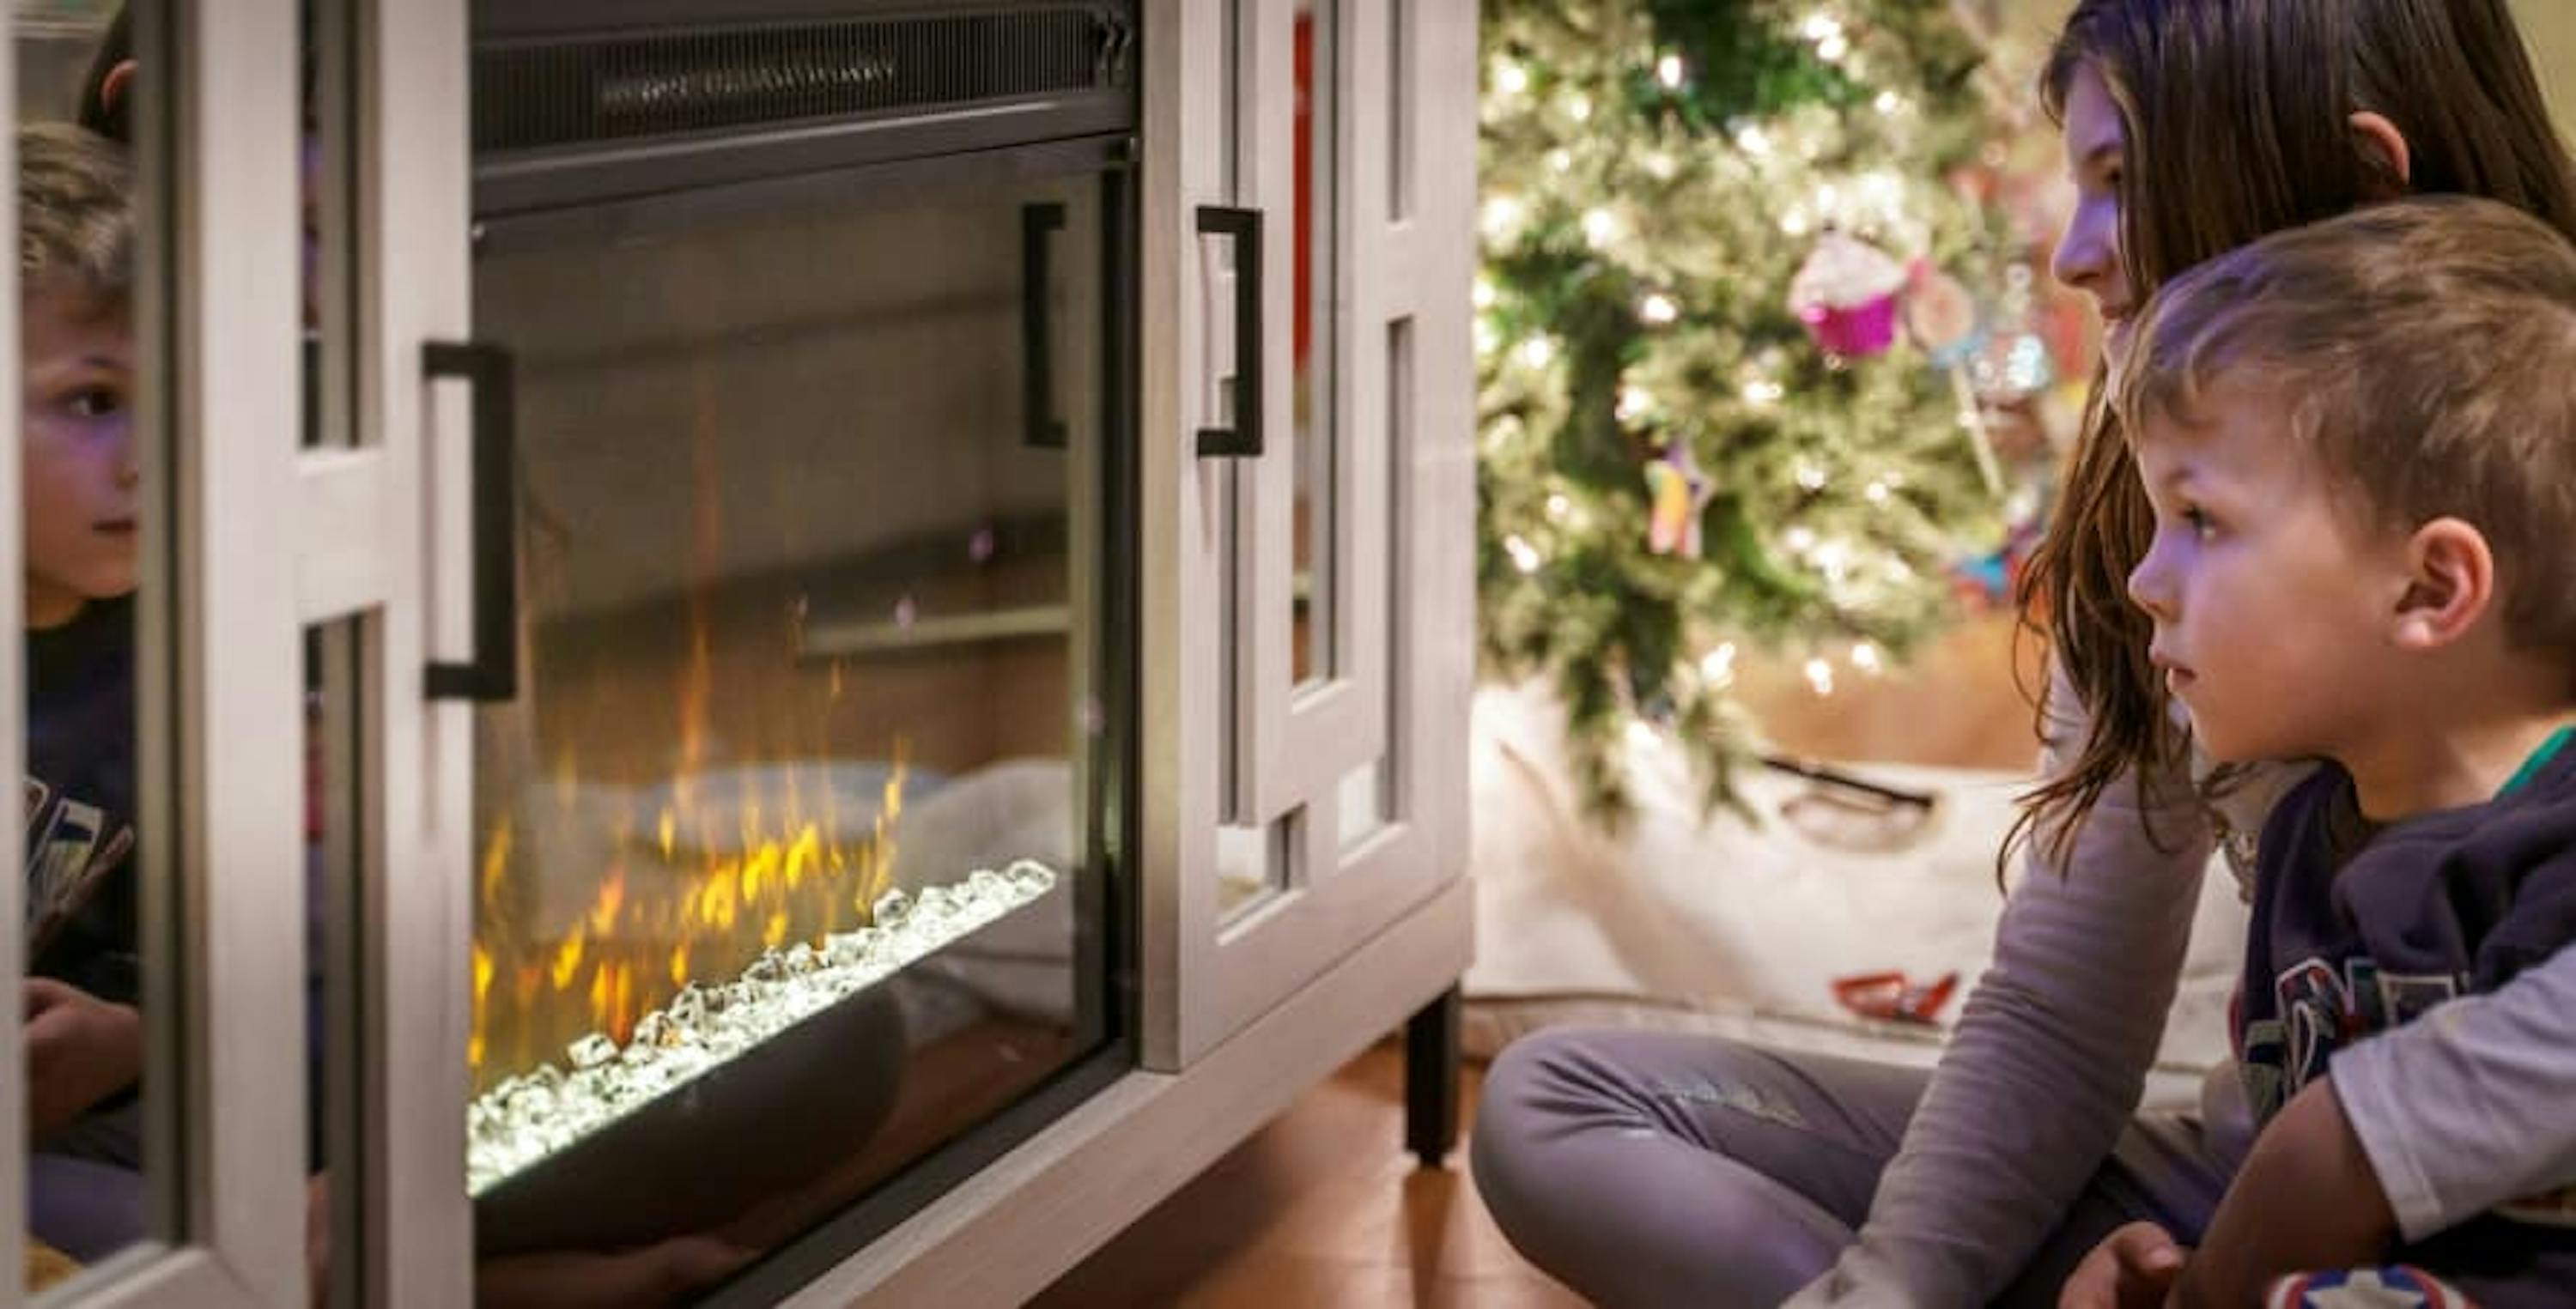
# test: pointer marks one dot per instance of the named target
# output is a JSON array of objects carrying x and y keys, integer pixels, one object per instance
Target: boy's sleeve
[{"x": 2466, "y": 1108}]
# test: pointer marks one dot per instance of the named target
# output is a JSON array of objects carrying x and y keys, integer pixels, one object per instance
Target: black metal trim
[
  {"x": 1243, "y": 440},
  {"x": 580, "y": 102},
  {"x": 494, "y": 673},
  {"x": 1044, "y": 430},
  {"x": 867, "y": 185},
  {"x": 517, "y": 19}
]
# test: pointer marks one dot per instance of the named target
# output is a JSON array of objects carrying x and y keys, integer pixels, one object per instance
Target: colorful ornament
[
  {"x": 2013, "y": 364},
  {"x": 1678, "y": 498},
  {"x": 1941, "y": 315},
  {"x": 1846, "y": 294}
]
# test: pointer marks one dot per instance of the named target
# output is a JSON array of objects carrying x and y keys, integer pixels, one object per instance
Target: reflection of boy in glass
[{"x": 80, "y": 490}]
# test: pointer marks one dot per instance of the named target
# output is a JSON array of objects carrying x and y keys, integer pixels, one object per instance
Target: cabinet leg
[{"x": 1431, "y": 1082}]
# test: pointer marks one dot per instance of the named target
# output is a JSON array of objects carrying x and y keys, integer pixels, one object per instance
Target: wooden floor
[{"x": 1322, "y": 1209}]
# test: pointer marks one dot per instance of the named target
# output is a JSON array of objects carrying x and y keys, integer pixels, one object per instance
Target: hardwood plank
[{"x": 1322, "y": 1208}]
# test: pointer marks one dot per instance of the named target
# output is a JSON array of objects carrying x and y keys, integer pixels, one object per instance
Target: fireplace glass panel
[{"x": 790, "y": 868}]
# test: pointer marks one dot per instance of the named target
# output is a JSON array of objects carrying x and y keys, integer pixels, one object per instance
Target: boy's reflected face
[{"x": 81, "y": 482}]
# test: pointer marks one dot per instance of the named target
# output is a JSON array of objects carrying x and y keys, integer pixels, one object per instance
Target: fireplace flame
[{"x": 669, "y": 909}]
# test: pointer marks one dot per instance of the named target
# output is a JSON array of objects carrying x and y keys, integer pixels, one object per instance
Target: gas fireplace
[{"x": 801, "y": 890}]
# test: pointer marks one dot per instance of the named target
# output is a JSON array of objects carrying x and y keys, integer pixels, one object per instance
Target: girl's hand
[
  {"x": 2133, "y": 1268},
  {"x": 80, "y": 1050}
]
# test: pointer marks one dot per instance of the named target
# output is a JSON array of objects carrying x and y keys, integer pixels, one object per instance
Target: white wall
[{"x": 2549, "y": 26}]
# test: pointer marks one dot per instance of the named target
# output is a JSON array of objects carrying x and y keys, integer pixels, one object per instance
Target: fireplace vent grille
[{"x": 627, "y": 87}]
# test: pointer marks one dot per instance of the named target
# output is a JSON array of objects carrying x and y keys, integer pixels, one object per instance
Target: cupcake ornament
[{"x": 1846, "y": 293}]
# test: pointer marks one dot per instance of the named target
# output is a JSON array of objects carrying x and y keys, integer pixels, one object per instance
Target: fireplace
[{"x": 802, "y": 781}]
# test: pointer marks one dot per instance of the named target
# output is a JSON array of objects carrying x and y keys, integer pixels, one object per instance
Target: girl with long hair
[{"x": 1651, "y": 1168}]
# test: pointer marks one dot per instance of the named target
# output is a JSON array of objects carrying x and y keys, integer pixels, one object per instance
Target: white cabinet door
[
  {"x": 1309, "y": 588},
  {"x": 216, "y": 770},
  {"x": 396, "y": 512}
]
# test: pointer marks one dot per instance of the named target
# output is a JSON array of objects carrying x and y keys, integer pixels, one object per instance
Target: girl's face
[{"x": 2088, "y": 253}]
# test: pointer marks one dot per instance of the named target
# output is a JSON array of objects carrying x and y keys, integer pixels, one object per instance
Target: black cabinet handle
[
  {"x": 1243, "y": 440},
  {"x": 494, "y": 673},
  {"x": 1037, "y": 345}
]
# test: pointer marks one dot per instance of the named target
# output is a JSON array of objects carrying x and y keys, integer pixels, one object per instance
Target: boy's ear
[
  {"x": 112, "y": 88},
  {"x": 2380, "y": 137},
  {"x": 2451, "y": 585}
]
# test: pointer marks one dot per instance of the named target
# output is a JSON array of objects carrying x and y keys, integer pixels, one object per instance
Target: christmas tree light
[{"x": 1677, "y": 459}]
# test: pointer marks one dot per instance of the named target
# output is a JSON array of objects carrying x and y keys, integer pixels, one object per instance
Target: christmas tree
[{"x": 1704, "y": 223}]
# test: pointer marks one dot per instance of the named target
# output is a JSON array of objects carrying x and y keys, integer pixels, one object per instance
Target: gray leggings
[{"x": 1656, "y": 1168}]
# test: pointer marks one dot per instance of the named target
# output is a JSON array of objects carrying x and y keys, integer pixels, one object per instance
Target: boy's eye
[{"x": 94, "y": 402}]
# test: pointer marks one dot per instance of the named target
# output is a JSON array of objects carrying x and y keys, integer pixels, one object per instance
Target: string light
[
  {"x": 1719, "y": 665},
  {"x": 1753, "y": 141},
  {"x": 1634, "y": 403},
  {"x": 1820, "y": 676},
  {"x": 1658, "y": 309},
  {"x": 1668, "y": 70},
  {"x": 1484, "y": 293},
  {"x": 1763, "y": 391},
  {"x": 1538, "y": 352},
  {"x": 1525, "y": 556},
  {"x": 1502, "y": 215},
  {"x": 1811, "y": 477},
  {"x": 1558, "y": 506},
  {"x": 1511, "y": 78},
  {"x": 1600, "y": 226},
  {"x": 1864, "y": 656}
]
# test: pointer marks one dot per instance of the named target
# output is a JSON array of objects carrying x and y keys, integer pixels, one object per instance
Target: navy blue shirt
[
  {"x": 2357, "y": 929},
  {"x": 80, "y": 883}
]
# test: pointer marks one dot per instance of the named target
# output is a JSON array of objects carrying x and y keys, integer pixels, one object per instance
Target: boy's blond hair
[
  {"x": 2425, "y": 352},
  {"x": 75, "y": 214}
]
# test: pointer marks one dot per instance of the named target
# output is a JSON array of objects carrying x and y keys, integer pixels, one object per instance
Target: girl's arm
[{"x": 2049, "y": 1056}]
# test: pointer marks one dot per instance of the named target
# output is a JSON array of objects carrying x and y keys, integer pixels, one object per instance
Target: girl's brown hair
[{"x": 2237, "y": 118}]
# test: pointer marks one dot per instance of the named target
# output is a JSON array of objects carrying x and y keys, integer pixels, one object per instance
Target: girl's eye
[{"x": 2200, "y": 523}]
